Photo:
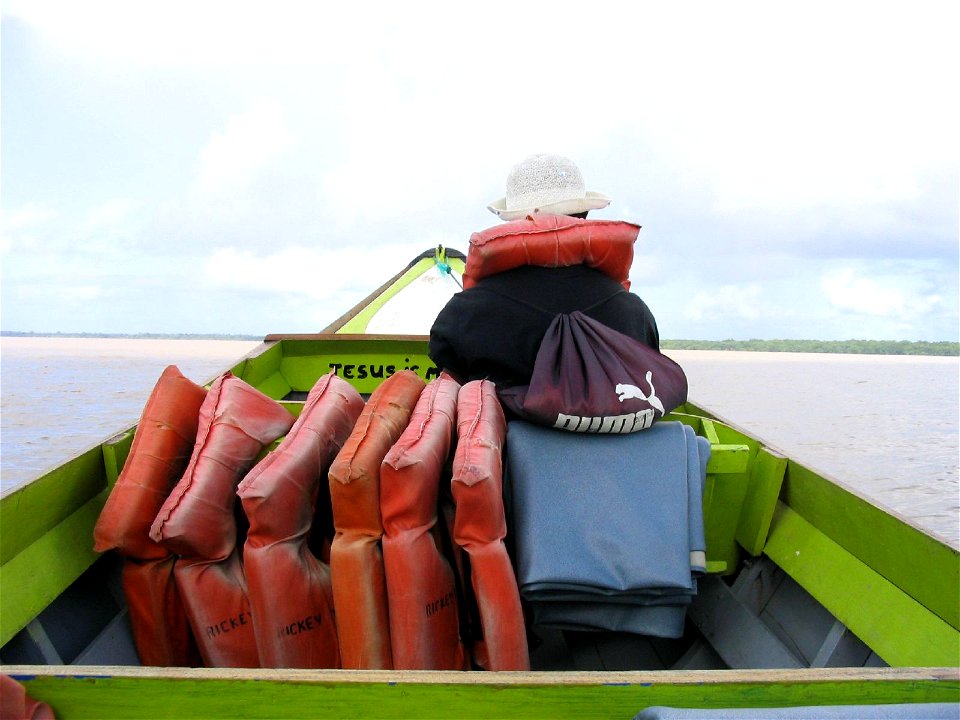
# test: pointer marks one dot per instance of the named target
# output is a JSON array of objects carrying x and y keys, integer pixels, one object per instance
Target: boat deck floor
[
  {"x": 762, "y": 619},
  {"x": 610, "y": 651}
]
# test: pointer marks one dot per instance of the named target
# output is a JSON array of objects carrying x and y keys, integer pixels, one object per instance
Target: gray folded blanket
[{"x": 607, "y": 529}]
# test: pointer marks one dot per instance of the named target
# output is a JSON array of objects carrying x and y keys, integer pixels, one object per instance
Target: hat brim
[{"x": 591, "y": 201}]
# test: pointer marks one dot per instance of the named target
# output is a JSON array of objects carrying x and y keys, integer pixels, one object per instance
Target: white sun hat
[{"x": 549, "y": 184}]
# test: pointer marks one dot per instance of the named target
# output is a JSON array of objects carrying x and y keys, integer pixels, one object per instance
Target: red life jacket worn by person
[
  {"x": 529, "y": 271},
  {"x": 553, "y": 241}
]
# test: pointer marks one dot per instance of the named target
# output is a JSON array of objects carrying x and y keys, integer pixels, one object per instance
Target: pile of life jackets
[{"x": 356, "y": 534}]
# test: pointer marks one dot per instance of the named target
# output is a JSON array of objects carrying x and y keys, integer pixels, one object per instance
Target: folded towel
[{"x": 607, "y": 529}]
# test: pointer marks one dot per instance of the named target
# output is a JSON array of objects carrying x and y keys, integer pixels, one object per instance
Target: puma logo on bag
[{"x": 625, "y": 392}]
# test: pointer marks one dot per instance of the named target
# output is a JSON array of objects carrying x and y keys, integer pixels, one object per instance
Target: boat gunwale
[{"x": 499, "y": 678}]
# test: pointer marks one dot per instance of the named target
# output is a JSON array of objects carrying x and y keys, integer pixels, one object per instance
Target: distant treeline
[{"x": 855, "y": 347}]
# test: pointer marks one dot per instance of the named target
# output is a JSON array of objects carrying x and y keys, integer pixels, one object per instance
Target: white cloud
[
  {"x": 250, "y": 141},
  {"x": 726, "y": 302},
  {"x": 881, "y": 296},
  {"x": 111, "y": 214},
  {"x": 79, "y": 294},
  {"x": 19, "y": 228},
  {"x": 315, "y": 273},
  {"x": 724, "y": 130},
  {"x": 183, "y": 32},
  {"x": 26, "y": 217}
]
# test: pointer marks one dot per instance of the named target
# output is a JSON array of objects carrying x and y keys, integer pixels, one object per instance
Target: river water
[{"x": 886, "y": 426}]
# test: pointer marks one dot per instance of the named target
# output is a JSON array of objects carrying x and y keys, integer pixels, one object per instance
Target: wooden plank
[
  {"x": 763, "y": 489},
  {"x": 922, "y": 566},
  {"x": 738, "y": 636},
  {"x": 275, "y": 386},
  {"x": 257, "y": 368},
  {"x": 360, "y": 360},
  {"x": 722, "y": 500},
  {"x": 723, "y": 494},
  {"x": 107, "y": 693},
  {"x": 727, "y": 459},
  {"x": 115, "y": 453},
  {"x": 894, "y": 625},
  {"x": 40, "y": 572}
]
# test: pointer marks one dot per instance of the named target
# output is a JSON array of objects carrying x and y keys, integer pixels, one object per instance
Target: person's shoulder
[{"x": 469, "y": 300}]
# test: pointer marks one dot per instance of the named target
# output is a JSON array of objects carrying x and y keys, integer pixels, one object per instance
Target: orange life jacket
[
  {"x": 480, "y": 527},
  {"x": 356, "y": 555},
  {"x": 214, "y": 594},
  {"x": 421, "y": 584},
  {"x": 290, "y": 591},
  {"x": 158, "y": 617},
  {"x": 16, "y": 703},
  {"x": 552, "y": 241},
  {"x": 161, "y": 449},
  {"x": 197, "y": 520},
  {"x": 159, "y": 454},
  {"x": 236, "y": 421}
]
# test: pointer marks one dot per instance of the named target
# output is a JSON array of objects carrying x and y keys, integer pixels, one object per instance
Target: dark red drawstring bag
[{"x": 590, "y": 378}]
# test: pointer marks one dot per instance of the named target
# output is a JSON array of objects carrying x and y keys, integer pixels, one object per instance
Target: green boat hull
[
  {"x": 817, "y": 596},
  {"x": 107, "y": 693}
]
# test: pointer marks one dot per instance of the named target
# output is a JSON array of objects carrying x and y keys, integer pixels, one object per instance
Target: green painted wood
[
  {"x": 115, "y": 453},
  {"x": 722, "y": 499},
  {"x": 364, "y": 361},
  {"x": 924, "y": 567},
  {"x": 894, "y": 625},
  {"x": 94, "y": 693},
  {"x": 275, "y": 386},
  {"x": 725, "y": 457},
  {"x": 257, "y": 368},
  {"x": 294, "y": 407},
  {"x": 760, "y": 502},
  {"x": 30, "y": 511},
  {"x": 40, "y": 572},
  {"x": 365, "y": 371},
  {"x": 723, "y": 495}
]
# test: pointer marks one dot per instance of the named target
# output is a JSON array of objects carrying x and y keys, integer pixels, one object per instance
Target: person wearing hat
[{"x": 542, "y": 262}]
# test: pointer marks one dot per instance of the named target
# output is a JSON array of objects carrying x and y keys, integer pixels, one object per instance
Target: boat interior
[{"x": 747, "y": 613}]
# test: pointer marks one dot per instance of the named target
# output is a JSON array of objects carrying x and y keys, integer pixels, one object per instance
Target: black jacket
[{"x": 492, "y": 331}]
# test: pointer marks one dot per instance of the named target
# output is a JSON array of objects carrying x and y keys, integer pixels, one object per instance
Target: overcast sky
[{"x": 255, "y": 167}]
